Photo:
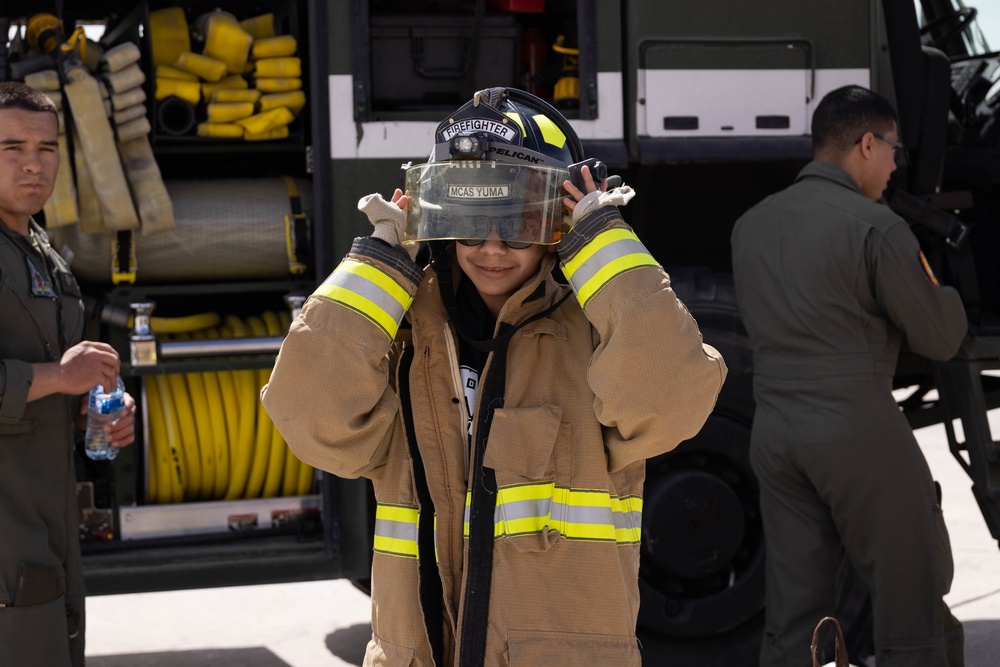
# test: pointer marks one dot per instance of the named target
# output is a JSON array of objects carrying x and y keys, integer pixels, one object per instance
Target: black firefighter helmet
[{"x": 498, "y": 164}]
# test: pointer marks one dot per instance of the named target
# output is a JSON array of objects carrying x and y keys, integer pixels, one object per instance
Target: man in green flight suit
[
  {"x": 44, "y": 369},
  {"x": 828, "y": 282}
]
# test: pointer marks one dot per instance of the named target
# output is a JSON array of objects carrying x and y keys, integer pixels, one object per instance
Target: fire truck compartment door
[{"x": 694, "y": 88}]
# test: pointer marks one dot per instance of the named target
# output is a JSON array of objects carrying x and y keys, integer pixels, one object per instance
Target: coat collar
[
  {"x": 428, "y": 311},
  {"x": 33, "y": 228},
  {"x": 41, "y": 239},
  {"x": 830, "y": 172}
]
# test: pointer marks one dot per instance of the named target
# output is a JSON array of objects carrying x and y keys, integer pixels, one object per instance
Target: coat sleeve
[
  {"x": 932, "y": 317},
  {"x": 330, "y": 393},
  {"x": 655, "y": 382}
]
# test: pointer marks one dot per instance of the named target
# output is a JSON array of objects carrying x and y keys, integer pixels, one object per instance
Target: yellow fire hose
[{"x": 210, "y": 438}]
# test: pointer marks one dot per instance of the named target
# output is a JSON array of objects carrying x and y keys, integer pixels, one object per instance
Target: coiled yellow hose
[
  {"x": 209, "y": 436},
  {"x": 185, "y": 324}
]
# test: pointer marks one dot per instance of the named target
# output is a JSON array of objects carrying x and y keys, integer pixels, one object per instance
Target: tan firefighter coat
[{"x": 529, "y": 546}]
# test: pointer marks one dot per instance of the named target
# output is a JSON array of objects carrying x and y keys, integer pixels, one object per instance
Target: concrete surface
[
  {"x": 312, "y": 624},
  {"x": 327, "y": 624},
  {"x": 975, "y": 591}
]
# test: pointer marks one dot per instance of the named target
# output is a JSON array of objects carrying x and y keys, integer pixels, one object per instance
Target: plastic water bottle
[{"x": 104, "y": 408}]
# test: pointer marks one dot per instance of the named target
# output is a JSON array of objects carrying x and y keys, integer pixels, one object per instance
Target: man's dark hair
[
  {"x": 14, "y": 95},
  {"x": 845, "y": 114}
]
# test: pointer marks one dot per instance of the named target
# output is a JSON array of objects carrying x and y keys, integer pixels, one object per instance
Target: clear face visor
[{"x": 480, "y": 199}]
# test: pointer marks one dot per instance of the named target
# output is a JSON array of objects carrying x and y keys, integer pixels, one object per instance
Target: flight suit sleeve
[
  {"x": 15, "y": 381},
  {"x": 931, "y": 317},
  {"x": 330, "y": 393},
  {"x": 655, "y": 382}
]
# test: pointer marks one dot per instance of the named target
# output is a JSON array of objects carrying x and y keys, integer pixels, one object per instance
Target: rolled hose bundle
[
  {"x": 224, "y": 229},
  {"x": 209, "y": 436}
]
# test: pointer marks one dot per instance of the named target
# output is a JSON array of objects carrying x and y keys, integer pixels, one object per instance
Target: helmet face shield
[
  {"x": 496, "y": 171},
  {"x": 480, "y": 199}
]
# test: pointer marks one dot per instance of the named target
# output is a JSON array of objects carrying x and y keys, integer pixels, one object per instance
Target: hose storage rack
[{"x": 210, "y": 459}]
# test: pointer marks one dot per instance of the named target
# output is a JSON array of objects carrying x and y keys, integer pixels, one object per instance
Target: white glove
[
  {"x": 592, "y": 201},
  {"x": 388, "y": 220}
]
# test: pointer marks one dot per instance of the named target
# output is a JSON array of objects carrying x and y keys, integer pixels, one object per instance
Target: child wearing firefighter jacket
[{"x": 503, "y": 418}]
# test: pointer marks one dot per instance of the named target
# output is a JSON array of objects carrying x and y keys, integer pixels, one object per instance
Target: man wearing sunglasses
[
  {"x": 503, "y": 418},
  {"x": 829, "y": 281}
]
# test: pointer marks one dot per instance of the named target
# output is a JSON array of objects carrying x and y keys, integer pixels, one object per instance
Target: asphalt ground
[{"x": 327, "y": 624}]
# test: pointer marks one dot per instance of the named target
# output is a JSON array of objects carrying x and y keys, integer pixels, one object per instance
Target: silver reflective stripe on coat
[
  {"x": 611, "y": 253},
  {"x": 368, "y": 290},
  {"x": 576, "y": 514},
  {"x": 396, "y": 530}
]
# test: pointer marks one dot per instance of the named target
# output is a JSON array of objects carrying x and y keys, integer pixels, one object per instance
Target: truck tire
[{"x": 701, "y": 579}]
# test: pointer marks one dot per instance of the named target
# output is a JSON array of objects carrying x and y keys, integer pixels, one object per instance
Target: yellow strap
[
  {"x": 118, "y": 274},
  {"x": 295, "y": 264}
]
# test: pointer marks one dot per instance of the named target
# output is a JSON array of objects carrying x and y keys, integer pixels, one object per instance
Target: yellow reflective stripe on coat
[
  {"x": 437, "y": 558},
  {"x": 577, "y": 514},
  {"x": 396, "y": 530},
  {"x": 612, "y": 252},
  {"x": 369, "y": 291}
]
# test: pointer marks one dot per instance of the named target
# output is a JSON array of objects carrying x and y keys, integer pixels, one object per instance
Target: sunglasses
[
  {"x": 515, "y": 245},
  {"x": 897, "y": 147},
  {"x": 508, "y": 229}
]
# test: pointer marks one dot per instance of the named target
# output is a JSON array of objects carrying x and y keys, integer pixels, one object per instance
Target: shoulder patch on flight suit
[
  {"x": 927, "y": 270},
  {"x": 40, "y": 285}
]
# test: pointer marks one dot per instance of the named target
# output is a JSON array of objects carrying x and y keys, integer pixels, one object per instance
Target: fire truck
[{"x": 243, "y": 183}]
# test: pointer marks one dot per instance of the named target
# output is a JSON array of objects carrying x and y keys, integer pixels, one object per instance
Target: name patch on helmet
[
  {"x": 505, "y": 132},
  {"x": 478, "y": 191},
  {"x": 515, "y": 154}
]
